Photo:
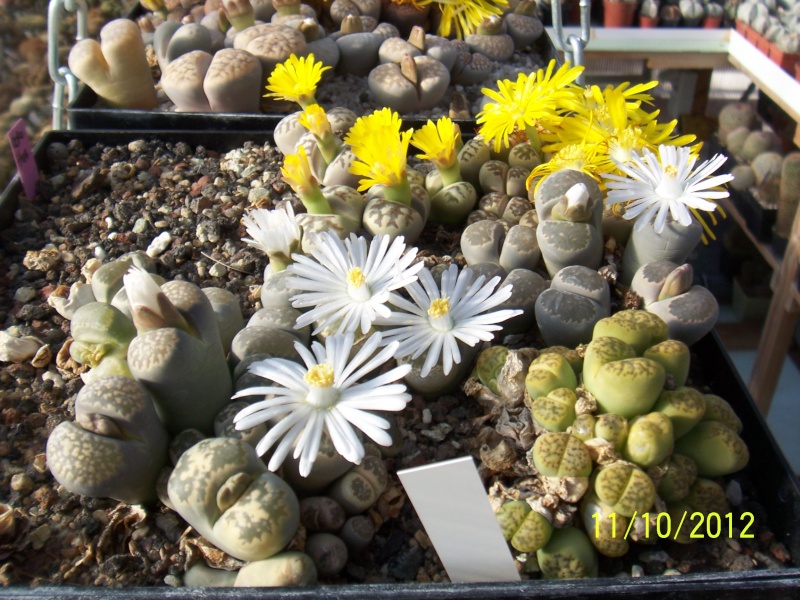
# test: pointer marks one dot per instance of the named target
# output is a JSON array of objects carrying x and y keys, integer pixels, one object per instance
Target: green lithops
[
  {"x": 548, "y": 372},
  {"x": 583, "y": 427},
  {"x": 224, "y": 490},
  {"x": 115, "y": 448},
  {"x": 715, "y": 447},
  {"x": 489, "y": 364},
  {"x": 572, "y": 356},
  {"x": 621, "y": 382},
  {"x": 684, "y": 406},
  {"x": 612, "y": 428},
  {"x": 625, "y": 488},
  {"x": 707, "y": 496},
  {"x": 561, "y": 455},
  {"x": 101, "y": 335},
  {"x": 525, "y": 529},
  {"x": 639, "y": 328},
  {"x": 650, "y": 440},
  {"x": 604, "y": 527},
  {"x": 674, "y": 356},
  {"x": 556, "y": 411},
  {"x": 680, "y": 512},
  {"x": 568, "y": 555},
  {"x": 718, "y": 409},
  {"x": 680, "y": 475}
]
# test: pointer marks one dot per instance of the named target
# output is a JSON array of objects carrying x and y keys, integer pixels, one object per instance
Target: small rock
[
  {"x": 22, "y": 483},
  {"x": 218, "y": 270},
  {"x": 159, "y": 244},
  {"x": 25, "y": 294}
]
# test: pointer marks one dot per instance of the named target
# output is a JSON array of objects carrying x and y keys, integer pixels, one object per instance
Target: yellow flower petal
[{"x": 296, "y": 79}]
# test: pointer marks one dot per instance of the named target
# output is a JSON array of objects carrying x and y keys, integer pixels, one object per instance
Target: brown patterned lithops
[
  {"x": 561, "y": 455},
  {"x": 226, "y": 493},
  {"x": 361, "y": 486},
  {"x": 567, "y": 312},
  {"x": 416, "y": 83},
  {"x": 568, "y": 554},
  {"x": 233, "y": 82},
  {"x": 625, "y": 488},
  {"x": 690, "y": 311},
  {"x": 527, "y": 530},
  {"x": 116, "y": 446}
]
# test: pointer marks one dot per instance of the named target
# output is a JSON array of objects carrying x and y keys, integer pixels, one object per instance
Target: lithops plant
[
  {"x": 667, "y": 290},
  {"x": 569, "y": 554},
  {"x": 116, "y": 68},
  {"x": 638, "y": 328},
  {"x": 692, "y": 12},
  {"x": 567, "y": 312},
  {"x": 526, "y": 529},
  {"x": 101, "y": 335},
  {"x": 414, "y": 84},
  {"x": 556, "y": 411},
  {"x": 226, "y": 493},
  {"x": 523, "y": 24},
  {"x": 650, "y": 439},
  {"x": 601, "y": 524},
  {"x": 229, "y": 81},
  {"x": 173, "y": 39},
  {"x": 358, "y": 47},
  {"x": 487, "y": 241},
  {"x": 548, "y": 372},
  {"x": 290, "y": 568},
  {"x": 115, "y": 448},
  {"x": 569, "y": 206},
  {"x": 491, "y": 40},
  {"x": 676, "y": 482},
  {"x": 564, "y": 462},
  {"x": 620, "y": 381},
  {"x": 715, "y": 448},
  {"x": 503, "y": 371},
  {"x": 271, "y": 44},
  {"x": 359, "y": 488}
]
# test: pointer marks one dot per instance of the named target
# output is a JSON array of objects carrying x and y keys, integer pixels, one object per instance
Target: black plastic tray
[
  {"x": 83, "y": 114},
  {"x": 776, "y": 485}
]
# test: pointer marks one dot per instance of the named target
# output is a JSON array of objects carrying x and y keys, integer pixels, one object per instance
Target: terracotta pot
[
  {"x": 797, "y": 71},
  {"x": 647, "y": 22},
  {"x": 785, "y": 60},
  {"x": 712, "y": 22},
  {"x": 763, "y": 44},
  {"x": 742, "y": 27},
  {"x": 618, "y": 14}
]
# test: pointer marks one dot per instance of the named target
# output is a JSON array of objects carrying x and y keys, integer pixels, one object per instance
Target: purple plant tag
[{"x": 23, "y": 156}]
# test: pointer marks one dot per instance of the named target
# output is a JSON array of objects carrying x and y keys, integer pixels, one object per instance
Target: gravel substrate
[{"x": 97, "y": 203}]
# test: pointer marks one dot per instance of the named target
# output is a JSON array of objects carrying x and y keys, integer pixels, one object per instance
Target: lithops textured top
[
  {"x": 561, "y": 455},
  {"x": 567, "y": 555},
  {"x": 116, "y": 447},
  {"x": 567, "y": 312},
  {"x": 625, "y": 488},
  {"x": 226, "y": 493},
  {"x": 392, "y": 88},
  {"x": 233, "y": 81}
]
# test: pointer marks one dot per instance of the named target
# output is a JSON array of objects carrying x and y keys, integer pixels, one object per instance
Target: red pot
[
  {"x": 648, "y": 22},
  {"x": 785, "y": 60},
  {"x": 712, "y": 22},
  {"x": 618, "y": 14}
]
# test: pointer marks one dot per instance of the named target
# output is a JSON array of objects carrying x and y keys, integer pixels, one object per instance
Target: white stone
[
  {"x": 159, "y": 244},
  {"x": 17, "y": 350}
]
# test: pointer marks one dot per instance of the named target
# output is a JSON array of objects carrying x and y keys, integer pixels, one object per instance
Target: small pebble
[
  {"x": 733, "y": 492},
  {"x": 218, "y": 270},
  {"x": 140, "y": 226},
  {"x": 25, "y": 294},
  {"x": 427, "y": 418},
  {"x": 637, "y": 571},
  {"x": 22, "y": 483},
  {"x": 159, "y": 244}
]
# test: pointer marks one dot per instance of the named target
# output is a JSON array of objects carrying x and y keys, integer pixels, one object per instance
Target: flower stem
[
  {"x": 329, "y": 146},
  {"x": 533, "y": 138},
  {"x": 315, "y": 202},
  {"x": 450, "y": 174},
  {"x": 279, "y": 261},
  {"x": 400, "y": 193}
]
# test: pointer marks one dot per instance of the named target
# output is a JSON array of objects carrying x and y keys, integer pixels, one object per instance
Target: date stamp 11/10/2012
[{"x": 664, "y": 525}]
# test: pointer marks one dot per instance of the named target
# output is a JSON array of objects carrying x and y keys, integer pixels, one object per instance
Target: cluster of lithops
[
  {"x": 216, "y": 56},
  {"x": 777, "y": 23},
  {"x": 620, "y": 433},
  {"x": 762, "y": 167}
]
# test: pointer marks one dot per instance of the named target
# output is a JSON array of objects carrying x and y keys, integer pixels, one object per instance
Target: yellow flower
[
  {"x": 462, "y": 17},
  {"x": 296, "y": 172},
  {"x": 538, "y": 99},
  {"x": 586, "y": 158},
  {"x": 438, "y": 141},
  {"x": 315, "y": 120},
  {"x": 296, "y": 80},
  {"x": 380, "y": 150}
]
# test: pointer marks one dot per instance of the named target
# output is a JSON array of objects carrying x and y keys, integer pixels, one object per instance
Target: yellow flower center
[
  {"x": 320, "y": 376},
  {"x": 439, "y": 308},
  {"x": 671, "y": 170},
  {"x": 355, "y": 277}
]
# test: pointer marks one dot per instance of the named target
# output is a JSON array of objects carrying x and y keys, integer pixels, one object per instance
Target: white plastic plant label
[{"x": 451, "y": 501}]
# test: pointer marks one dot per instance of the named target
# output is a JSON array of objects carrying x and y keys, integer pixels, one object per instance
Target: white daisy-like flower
[
  {"x": 327, "y": 394},
  {"x": 668, "y": 184},
  {"x": 274, "y": 232},
  {"x": 438, "y": 318},
  {"x": 348, "y": 282}
]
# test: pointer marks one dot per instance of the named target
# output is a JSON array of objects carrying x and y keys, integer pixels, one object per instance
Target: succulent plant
[
  {"x": 718, "y": 409},
  {"x": 758, "y": 142},
  {"x": 734, "y": 115},
  {"x": 556, "y": 411},
  {"x": 715, "y": 448},
  {"x": 603, "y": 526},
  {"x": 684, "y": 406},
  {"x": 674, "y": 244},
  {"x": 290, "y": 568},
  {"x": 650, "y": 439},
  {"x": 116, "y": 68},
  {"x": 361, "y": 486},
  {"x": 487, "y": 241},
  {"x": 415, "y": 84},
  {"x": 674, "y": 356},
  {"x": 569, "y": 206},
  {"x": 568, "y": 311},
  {"x": 677, "y": 480},
  {"x": 568, "y": 554},
  {"x": 641, "y": 329},
  {"x": 226, "y": 493},
  {"x": 491, "y": 40},
  {"x": 523, "y": 24},
  {"x": 358, "y": 47},
  {"x": 527, "y": 530},
  {"x": 115, "y": 448},
  {"x": 547, "y": 373}
]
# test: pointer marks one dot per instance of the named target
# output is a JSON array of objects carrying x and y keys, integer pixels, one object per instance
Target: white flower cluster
[{"x": 348, "y": 287}]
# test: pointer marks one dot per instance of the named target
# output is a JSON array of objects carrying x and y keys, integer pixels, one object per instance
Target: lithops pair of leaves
[
  {"x": 503, "y": 372},
  {"x": 382, "y": 215},
  {"x": 548, "y": 372},
  {"x": 115, "y": 448},
  {"x": 116, "y": 68},
  {"x": 690, "y": 311},
  {"x": 488, "y": 241},
  {"x": 609, "y": 427},
  {"x": 506, "y": 210},
  {"x": 226, "y": 493},
  {"x": 569, "y": 205},
  {"x": 491, "y": 39},
  {"x": 228, "y": 81},
  {"x": 289, "y": 568},
  {"x": 173, "y": 39},
  {"x": 526, "y": 529},
  {"x": 271, "y": 44},
  {"x": 410, "y": 85},
  {"x": 620, "y": 381},
  {"x": 270, "y": 332},
  {"x": 418, "y": 43},
  {"x": 565, "y": 461},
  {"x": 523, "y": 24},
  {"x": 567, "y": 312},
  {"x": 358, "y": 46},
  {"x": 674, "y": 243},
  {"x": 638, "y": 328},
  {"x": 569, "y": 554}
]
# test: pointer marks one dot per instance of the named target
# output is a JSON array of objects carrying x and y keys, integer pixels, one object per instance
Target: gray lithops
[
  {"x": 289, "y": 568},
  {"x": 674, "y": 244},
  {"x": 471, "y": 157},
  {"x": 328, "y": 552},
  {"x": 392, "y": 218},
  {"x": 415, "y": 84},
  {"x": 232, "y": 83},
  {"x": 527, "y": 286},
  {"x": 392, "y": 50},
  {"x": 690, "y": 311},
  {"x": 226, "y": 493},
  {"x": 361, "y": 486},
  {"x": 275, "y": 46},
  {"x": 523, "y": 25},
  {"x": 441, "y": 49},
  {"x": 358, "y": 52},
  {"x": 471, "y": 68},
  {"x": 569, "y": 206},
  {"x": 173, "y": 39},
  {"x": 116, "y": 446},
  {"x": 567, "y": 312},
  {"x": 487, "y": 241},
  {"x": 491, "y": 41},
  {"x": 182, "y": 81},
  {"x": 228, "y": 314},
  {"x": 224, "y": 427},
  {"x": 185, "y": 372}
]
